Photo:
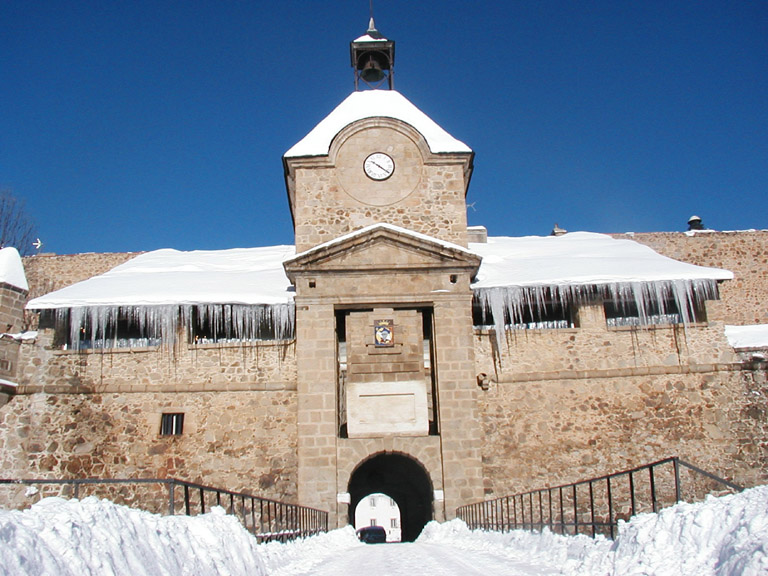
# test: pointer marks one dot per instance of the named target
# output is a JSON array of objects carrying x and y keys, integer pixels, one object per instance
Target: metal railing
[
  {"x": 265, "y": 518},
  {"x": 596, "y": 505}
]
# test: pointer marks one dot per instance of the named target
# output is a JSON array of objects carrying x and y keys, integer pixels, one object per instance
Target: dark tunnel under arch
[{"x": 401, "y": 478}]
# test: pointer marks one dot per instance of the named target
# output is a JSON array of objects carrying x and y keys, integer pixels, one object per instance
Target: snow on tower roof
[
  {"x": 371, "y": 104},
  {"x": 579, "y": 258},
  {"x": 250, "y": 276},
  {"x": 11, "y": 268}
]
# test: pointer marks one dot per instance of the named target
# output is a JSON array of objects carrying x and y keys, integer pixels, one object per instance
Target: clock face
[{"x": 379, "y": 166}]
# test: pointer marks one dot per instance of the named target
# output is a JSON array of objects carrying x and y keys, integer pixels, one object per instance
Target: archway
[{"x": 404, "y": 480}]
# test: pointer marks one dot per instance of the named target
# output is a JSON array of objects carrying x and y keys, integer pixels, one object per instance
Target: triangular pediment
[{"x": 382, "y": 248}]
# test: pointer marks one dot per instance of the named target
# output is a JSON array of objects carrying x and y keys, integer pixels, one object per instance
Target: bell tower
[{"x": 373, "y": 60}]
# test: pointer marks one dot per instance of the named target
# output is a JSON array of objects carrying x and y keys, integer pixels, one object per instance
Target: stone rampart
[
  {"x": 594, "y": 346},
  {"x": 48, "y": 272},
  {"x": 184, "y": 368},
  {"x": 244, "y": 441},
  {"x": 745, "y": 253},
  {"x": 550, "y": 432}
]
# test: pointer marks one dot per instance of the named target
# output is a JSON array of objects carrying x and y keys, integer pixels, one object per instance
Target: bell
[{"x": 372, "y": 72}]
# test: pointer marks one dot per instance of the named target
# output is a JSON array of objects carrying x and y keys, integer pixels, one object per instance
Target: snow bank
[
  {"x": 11, "y": 268},
  {"x": 69, "y": 537},
  {"x": 721, "y": 536},
  {"x": 301, "y": 556},
  {"x": 551, "y": 553},
  {"x": 725, "y": 536},
  {"x": 755, "y": 336}
]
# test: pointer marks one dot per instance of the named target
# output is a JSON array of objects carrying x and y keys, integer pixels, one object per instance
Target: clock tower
[
  {"x": 377, "y": 159},
  {"x": 384, "y": 343}
]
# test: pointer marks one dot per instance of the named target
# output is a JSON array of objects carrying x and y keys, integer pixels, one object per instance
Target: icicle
[
  {"x": 505, "y": 305},
  {"x": 98, "y": 327}
]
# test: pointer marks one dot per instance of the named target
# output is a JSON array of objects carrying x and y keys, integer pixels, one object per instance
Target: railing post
[
  {"x": 575, "y": 512},
  {"x": 549, "y": 501},
  {"x": 653, "y": 489},
  {"x": 610, "y": 506},
  {"x": 678, "y": 488},
  {"x": 592, "y": 507},
  {"x": 541, "y": 513},
  {"x": 171, "y": 496}
]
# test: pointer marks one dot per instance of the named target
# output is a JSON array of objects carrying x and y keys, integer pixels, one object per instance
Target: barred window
[{"x": 172, "y": 424}]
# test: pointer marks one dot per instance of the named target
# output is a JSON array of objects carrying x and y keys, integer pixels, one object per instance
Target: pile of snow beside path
[
  {"x": 552, "y": 553},
  {"x": 71, "y": 537},
  {"x": 722, "y": 536},
  {"x": 726, "y": 536},
  {"x": 304, "y": 555}
]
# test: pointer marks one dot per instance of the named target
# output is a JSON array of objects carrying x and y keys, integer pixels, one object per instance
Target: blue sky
[{"x": 141, "y": 125}]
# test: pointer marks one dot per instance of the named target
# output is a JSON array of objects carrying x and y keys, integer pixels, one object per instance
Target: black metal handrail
[
  {"x": 265, "y": 518},
  {"x": 595, "y": 505}
]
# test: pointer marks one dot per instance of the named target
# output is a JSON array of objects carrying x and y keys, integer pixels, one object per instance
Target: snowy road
[{"x": 409, "y": 559}]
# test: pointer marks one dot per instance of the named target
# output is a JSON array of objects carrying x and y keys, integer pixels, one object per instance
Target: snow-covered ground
[{"x": 719, "y": 537}]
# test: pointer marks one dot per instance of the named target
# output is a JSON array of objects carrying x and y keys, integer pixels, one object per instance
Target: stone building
[{"x": 391, "y": 349}]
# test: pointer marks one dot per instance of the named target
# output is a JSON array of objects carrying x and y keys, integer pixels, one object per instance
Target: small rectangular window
[
  {"x": 373, "y": 522},
  {"x": 5, "y": 365},
  {"x": 393, "y": 522},
  {"x": 172, "y": 424}
]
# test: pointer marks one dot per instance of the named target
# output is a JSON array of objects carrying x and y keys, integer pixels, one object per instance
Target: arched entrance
[{"x": 404, "y": 480}]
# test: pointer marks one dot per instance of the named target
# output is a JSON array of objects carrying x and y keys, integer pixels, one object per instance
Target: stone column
[
  {"x": 460, "y": 428},
  {"x": 316, "y": 362}
]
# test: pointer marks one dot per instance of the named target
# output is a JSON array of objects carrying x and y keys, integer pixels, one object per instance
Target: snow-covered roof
[
  {"x": 368, "y": 38},
  {"x": 255, "y": 276},
  {"x": 579, "y": 258},
  {"x": 249, "y": 276},
  {"x": 372, "y": 104},
  {"x": 384, "y": 226},
  {"x": 754, "y": 336},
  {"x": 11, "y": 268}
]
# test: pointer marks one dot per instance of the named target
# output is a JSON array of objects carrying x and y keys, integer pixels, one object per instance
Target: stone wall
[
  {"x": 243, "y": 441},
  {"x": 333, "y": 196},
  {"x": 97, "y": 413},
  {"x": 185, "y": 368},
  {"x": 745, "y": 253},
  {"x": 48, "y": 272},
  {"x": 593, "y": 346},
  {"x": 549, "y": 432},
  {"x": 12, "y": 301},
  {"x": 566, "y": 405}
]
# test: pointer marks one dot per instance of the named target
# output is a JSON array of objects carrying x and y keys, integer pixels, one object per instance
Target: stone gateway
[{"x": 391, "y": 350}]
